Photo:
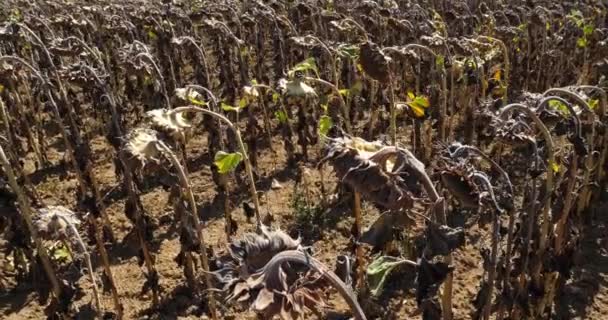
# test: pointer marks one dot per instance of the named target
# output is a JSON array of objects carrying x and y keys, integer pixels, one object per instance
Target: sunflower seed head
[
  {"x": 171, "y": 123},
  {"x": 141, "y": 144},
  {"x": 54, "y": 221}
]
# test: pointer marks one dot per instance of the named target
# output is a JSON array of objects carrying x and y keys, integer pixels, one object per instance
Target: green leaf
[
  {"x": 148, "y": 80},
  {"x": 305, "y": 66},
  {"x": 61, "y": 253},
  {"x": 422, "y": 101},
  {"x": 440, "y": 62},
  {"x": 593, "y": 103},
  {"x": 152, "y": 35},
  {"x": 325, "y": 124},
  {"x": 588, "y": 30},
  {"x": 554, "y": 166},
  {"x": 227, "y": 107},
  {"x": 581, "y": 42},
  {"x": 559, "y": 106},
  {"x": 356, "y": 88},
  {"x": 275, "y": 97},
  {"x": 197, "y": 102},
  {"x": 360, "y": 68},
  {"x": 324, "y": 106},
  {"x": 1, "y": 88},
  {"x": 244, "y": 51},
  {"x": 227, "y": 162},
  {"x": 350, "y": 51},
  {"x": 343, "y": 92},
  {"x": 254, "y": 82},
  {"x": 281, "y": 116},
  {"x": 242, "y": 103},
  {"x": 378, "y": 271},
  {"x": 418, "y": 104}
]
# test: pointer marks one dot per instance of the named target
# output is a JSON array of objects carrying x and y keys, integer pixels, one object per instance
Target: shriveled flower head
[
  {"x": 141, "y": 145},
  {"x": 384, "y": 175},
  {"x": 250, "y": 92},
  {"x": 173, "y": 124},
  {"x": 252, "y": 277},
  {"x": 296, "y": 88},
  {"x": 53, "y": 222},
  {"x": 187, "y": 94}
]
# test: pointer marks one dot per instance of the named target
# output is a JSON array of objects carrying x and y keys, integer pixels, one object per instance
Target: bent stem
[
  {"x": 343, "y": 105},
  {"x": 549, "y": 175},
  {"x": 297, "y": 256},
  {"x": 199, "y": 226},
  {"x": 444, "y": 105},
  {"x": 148, "y": 57},
  {"x": 248, "y": 168},
  {"x": 486, "y": 309},
  {"x": 507, "y": 66},
  {"x": 561, "y": 223},
  {"x": 26, "y": 212},
  {"x": 584, "y": 193},
  {"x": 87, "y": 260}
]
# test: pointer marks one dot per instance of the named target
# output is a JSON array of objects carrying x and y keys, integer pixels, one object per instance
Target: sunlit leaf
[
  {"x": 350, "y": 51},
  {"x": 304, "y": 66},
  {"x": 559, "y": 106},
  {"x": 275, "y": 97},
  {"x": 227, "y": 107},
  {"x": 497, "y": 74},
  {"x": 418, "y": 104},
  {"x": 325, "y": 124},
  {"x": 359, "y": 68},
  {"x": 281, "y": 116},
  {"x": 227, "y": 162},
  {"x": 378, "y": 271},
  {"x": 588, "y": 29},
  {"x": 343, "y": 92},
  {"x": 197, "y": 102},
  {"x": 440, "y": 62},
  {"x": 61, "y": 253},
  {"x": 422, "y": 101},
  {"x": 1, "y": 88},
  {"x": 554, "y": 166},
  {"x": 581, "y": 42},
  {"x": 242, "y": 103},
  {"x": 593, "y": 103},
  {"x": 324, "y": 107}
]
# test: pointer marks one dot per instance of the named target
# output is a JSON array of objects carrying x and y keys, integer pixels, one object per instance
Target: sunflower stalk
[
  {"x": 26, "y": 212},
  {"x": 197, "y": 223}
]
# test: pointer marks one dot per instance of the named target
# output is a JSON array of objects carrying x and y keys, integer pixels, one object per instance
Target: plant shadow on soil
[{"x": 590, "y": 273}]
